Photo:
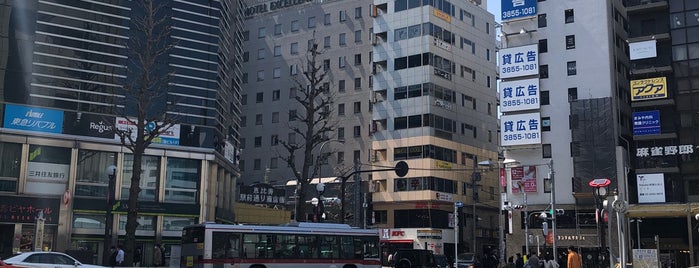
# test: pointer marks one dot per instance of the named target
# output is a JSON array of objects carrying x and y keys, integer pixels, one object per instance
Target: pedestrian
[
  {"x": 112, "y": 256},
  {"x": 157, "y": 256},
  {"x": 549, "y": 262},
  {"x": 490, "y": 260},
  {"x": 519, "y": 262},
  {"x": 119, "y": 260},
  {"x": 511, "y": 262},
  {"x": 533, "y": 261},
  {"x": 137, "y": 257},
  {"x": 162, "y": 255},
  {"x": 574, "y": 259}
]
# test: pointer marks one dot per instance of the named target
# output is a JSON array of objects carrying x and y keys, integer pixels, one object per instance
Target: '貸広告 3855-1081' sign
[
  {"x": 515, "y": 9},
  {"x": 520, "y": 129},
  {"x": 519, "y": 61},
  {"x": 519, "y": 95}
]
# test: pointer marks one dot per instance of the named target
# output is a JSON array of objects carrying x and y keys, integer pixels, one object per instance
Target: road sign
[{"x": 459, "y": 204}]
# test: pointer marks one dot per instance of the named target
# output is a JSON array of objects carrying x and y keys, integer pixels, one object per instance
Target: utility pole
[{"x": 357, "y": 194}]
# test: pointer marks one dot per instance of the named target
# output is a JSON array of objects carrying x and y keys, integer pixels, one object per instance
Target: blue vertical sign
[
  {"x": 515, "y": 9},
  {"x": 33, "y": 119},
  {"x": 646, "y": 123}
]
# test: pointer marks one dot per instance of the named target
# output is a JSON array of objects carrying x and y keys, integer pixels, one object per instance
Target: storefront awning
[{"x": 661, "y": 210}]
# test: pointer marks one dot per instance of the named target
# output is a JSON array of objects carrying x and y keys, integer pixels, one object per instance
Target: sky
[{"x": 494, "y": 7}]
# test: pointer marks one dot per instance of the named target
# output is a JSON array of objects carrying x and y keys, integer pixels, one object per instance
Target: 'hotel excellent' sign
[{"x": 272, "y": 6}]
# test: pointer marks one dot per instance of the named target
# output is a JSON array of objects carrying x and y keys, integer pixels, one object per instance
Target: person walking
[
  {"x": 533, "y": 261},
  {"x": 157, "y": 256},
  {"x": 574, "y": 258},
  {"x": 519, "y": 262},
  {"x": 549, "y": 262},
  {"x": 119, "y": 259}
]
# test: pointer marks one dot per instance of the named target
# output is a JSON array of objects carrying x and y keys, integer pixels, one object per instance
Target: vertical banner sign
[
  {"x": 515, "y": 9},
  {"x": 651, "y": 188},
  {"x": 520, "y": 129},
  {"x": 646, "y": 123},
  {"x": 519, "y": 61},
  {"x": 503, "y": 179},
  {"x": 519, "y": 95},
  {"x": 648, "y": 89},
  {"x": 525, "y": 176}
]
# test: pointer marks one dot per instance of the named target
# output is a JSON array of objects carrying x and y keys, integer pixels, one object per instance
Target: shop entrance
[{"x": 7, "y": 233}]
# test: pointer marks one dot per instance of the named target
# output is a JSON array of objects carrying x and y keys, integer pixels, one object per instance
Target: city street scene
[{"x": 349, "y": 133}]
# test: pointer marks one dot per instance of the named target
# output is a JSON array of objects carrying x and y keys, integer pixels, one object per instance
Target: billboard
[
  {"x": 515, "y": 9},
  {"x": 520, "y": 129},
  {"x": 524, "y": 178},
  {"x": 33, "y": 119},
  {"x": 519, "y": 95},
  {"x": 646, "y": 123},
  {"x": 642, "y": 50},
  {"x": 168, "y": 137},
  {"x": 651, "y": 188},
  {"x": 519, "y": 61},
  {"x": 648, "y": 89}
]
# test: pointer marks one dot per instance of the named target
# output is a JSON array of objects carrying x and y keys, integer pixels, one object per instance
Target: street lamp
[
  {"x": 319, "y": 159},
  {"x": 599, "y": 192},
  {"x": 109, "y": 217},
  {"x": 320, "y": 214},
  {"x": 476, "y": 177}
]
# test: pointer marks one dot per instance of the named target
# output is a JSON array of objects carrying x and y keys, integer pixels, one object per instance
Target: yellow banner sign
[
  {"x": 648, "y": 89},
  {"x": 439, "y": 14},
  {"x": 444, "y": 165}
]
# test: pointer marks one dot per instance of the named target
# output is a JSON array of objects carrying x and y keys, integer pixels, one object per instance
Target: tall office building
[
  {"x": 564, "y": 98},
  {"x": 413, "y": 81},
  {"x": 664, "y": 52},
  {"x": 64, "y": 65}
]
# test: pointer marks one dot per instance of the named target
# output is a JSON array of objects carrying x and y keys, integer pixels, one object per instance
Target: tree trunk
[{"x": 132, "y": 214}]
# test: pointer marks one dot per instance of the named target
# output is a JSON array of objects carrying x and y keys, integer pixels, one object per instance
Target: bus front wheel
[
  {"x": 349, "y": 266},
  {"x": 257, "y": 266}
]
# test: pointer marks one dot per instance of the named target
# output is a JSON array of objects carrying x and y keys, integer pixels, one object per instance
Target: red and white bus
[{"x": 301, "y": 244}]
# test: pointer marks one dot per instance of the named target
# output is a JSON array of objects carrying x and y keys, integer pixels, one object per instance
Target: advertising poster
[
  {"x": 33, "y": 119},
  {"x": 648, "y": 89},
  {"x": 642, "y": 50},
  {"x": 516, "y": 9},
  {"x": 646, "y": 123},
  {"x": 519, "y": 95},
  {"x": 520, "y": 129},
  {"x": 651, "y": 188},
  {"x": 169, "y": 137},
  {"x": 519, "y": 61},
  {"x": 524, "y": 176}
]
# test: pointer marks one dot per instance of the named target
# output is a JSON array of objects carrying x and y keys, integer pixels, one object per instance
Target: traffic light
[
  {"x": 560, "y": 212},
  {"x": 519, "y": 206}
]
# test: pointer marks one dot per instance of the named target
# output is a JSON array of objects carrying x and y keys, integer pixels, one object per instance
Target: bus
[{"x": 296, "y": 244}]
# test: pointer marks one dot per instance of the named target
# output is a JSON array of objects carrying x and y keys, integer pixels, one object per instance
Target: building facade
[
  {"x": 412, "y": 82},
  {"x": 564, "y": 98},
  {"x": 662, "y": 189},
  {"x": 64, "y": 65}
]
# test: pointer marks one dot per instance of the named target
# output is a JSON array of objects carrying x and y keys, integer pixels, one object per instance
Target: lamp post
[
  {"x": 638, "y": 222},
  {"x": 599, "y": 192},
  {"x": 457, "y": 205},
  {"x": 109, "y": 216},
  {"x": 319, "y": 158},
  {"x": 320, "y": 209}
]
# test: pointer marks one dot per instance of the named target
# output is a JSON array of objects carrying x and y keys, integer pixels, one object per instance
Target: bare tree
[
  {"x": 145, "y": 99},
  {"x": 314, "y": 125}
]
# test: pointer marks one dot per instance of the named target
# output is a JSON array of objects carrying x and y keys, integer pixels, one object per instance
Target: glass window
[
  {"x": 358, "y": 36},
  {"x": 357, "y": 12},
  {"x": 145, "y": 223},
  {"x": 277, "y": 72},
  {"x": 311, "y": 22},
  {"x": 326, "y": 42},
  {"x": 48, "y": 170},
  {"x": 342, "y": 40},
  {"x": 277, "y": 51},
  {"x": 177, "y": 223},
  {"x": 150, "y": 177},
  {"x": 343, "y": 15},
  {"x": 570, "y": 18},
  {"x": 294, "y": 49},
  {"x": 10, "y": 161},
  {"x": 570, "y": 41},
  {"x": 295, "y": 26},
  {"x": 226, "y": 245},
  {"x": 261, "y": 32},
  {"x": 89, "y": 221},
  {"x": 542, "y": 20},
  {"x": 92, "y": 178},
  {"x": 277, "y": 29},
  {"x": 572, "y": 69},
  {"x": 326, "y": 19}
]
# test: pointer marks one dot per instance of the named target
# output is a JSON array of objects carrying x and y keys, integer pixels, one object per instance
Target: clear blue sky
[{"x": 494, "y": 7}]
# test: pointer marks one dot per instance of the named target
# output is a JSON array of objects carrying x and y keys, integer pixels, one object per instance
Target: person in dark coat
[{"x": 519, "y": 262}]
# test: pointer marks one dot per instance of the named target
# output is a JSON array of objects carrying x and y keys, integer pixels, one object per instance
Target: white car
[{"x": 48, "y": 260}]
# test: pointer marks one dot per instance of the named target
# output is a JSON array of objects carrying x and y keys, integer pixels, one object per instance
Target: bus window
[
  {"x": 225, "y": 245},
  {"x": 347, "y": 247},
  {"x": 308, "y": 249},
  {"x": 193, "y": 235},
  {"x": 371, "y": 247},
  {"x": 257, "y": 245},
  {"x": 285, "y": 247},
  {"x": 329, "y": 247}
]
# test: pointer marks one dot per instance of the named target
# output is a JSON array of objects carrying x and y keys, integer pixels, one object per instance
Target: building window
[
  {"x": 542, "y": 20},
  {"x": 326, "y": 19},
  {"x": 244, "y": 99},
  {"x": 357, "y": 131},
  {"x": 326, "y": 64},
  {"x": 257, "y": 164},
  {"x": 357, "y": 59},
  {"x": 340, "y": 133},
  {"x": 358, "y": 83},
  {"x": 487, "y": 54},
  {"x": 341, "y": 109},
  {"x": 570, "y": 41},
  {"x": 261, "y": 75},
  {"x": 543, "y": 46},
  {"x": 546, "y": 150},
  {"x": 243, "y": 121},
  {"x": 358, "y": 36},
  {"x": 150, "y": 177},
  {"x": 357, "y": 155},
  {"x": 311, "y": 22},
  {"x": 261, "y": 54},
  {"x": 293, "y": 69},
  {"x": 277, "y": 51},
  {"x": 341, "y": 86},
  {"x": 261, "y": 32},
  {"x": 243, "y": 143},
  {"x": 246, "y": 35},
  {"x": 326, "y": 42},
  {"x": 546, "y": 124},
  {"x": 258, "y": 141},
  {"x": 292, "y": 93},
  {"x": 258, "y": 119},
  {"x": 260, "y": 97},
  {"x": 343, "y": 15},
  {"x": 357, "y": 107},
  {"x": 570, "y": 16},
  {"x": 274, "y": 140},
  {"x": 544, "y": 71},
  {"x": 342, "y": 40},
  {"x": 275, "y": 117},
  {"x": 277, "y": 72},
  {"x": 245, "y": 78},
  {"x": 340, "y": 157},
  {"x": 277, "y": 29},
  {"x": 246, "y": 56},
  {"x": 295, "y": 26},
  {"x": 292, "y": 115},
  {"x": 241, "y": 165},
  {"x": 91, "y": 180},
  {"x": 294, "y": 48},
  {"x": 572, "y": 94},
  {"x": 291, "y": 138},
  {"x": 357, "y": 12},
  {"x": 341, "y": 62},
  {"x": 572, "y": 69},
  {"x": 544, "y": 97},
  {"x": 273, "y": 162}
]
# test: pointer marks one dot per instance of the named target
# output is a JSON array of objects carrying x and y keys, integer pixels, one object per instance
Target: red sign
[
  {"x": 397, "y": 233},
  {"x": 597, "y": 183},
  {"x": 503, "y": 179},
  {"x": 527, "y": 176}
]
